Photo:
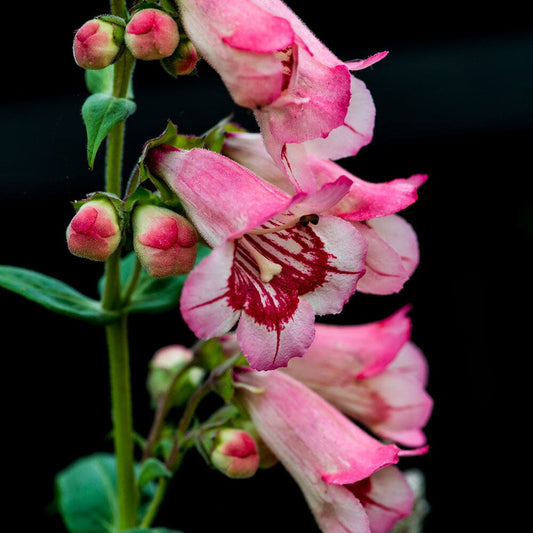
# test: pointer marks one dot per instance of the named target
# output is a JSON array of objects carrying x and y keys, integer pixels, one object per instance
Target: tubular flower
[
  {"x": 272, "y": 63},
  {"x": 344, "y": 473},
  {"x": 372, "y": 373},
  {"x": 393, "y": 253},
  {"x": 276, "y": 261}
]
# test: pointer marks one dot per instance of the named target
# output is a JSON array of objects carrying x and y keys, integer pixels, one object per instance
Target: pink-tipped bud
[
  {"x": 165, "y": 366},
  {"x": 165, "y": 242},
  {"x": 183, "y": 60},
  {"x": 94, "y": 231},
  {"x": 235, "y": 453},
  {"x": 97, "y": 44},
  {"x": 151, "y": 34}
]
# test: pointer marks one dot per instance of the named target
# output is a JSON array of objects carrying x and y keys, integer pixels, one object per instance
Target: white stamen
[{"x": 267, "y": 268}]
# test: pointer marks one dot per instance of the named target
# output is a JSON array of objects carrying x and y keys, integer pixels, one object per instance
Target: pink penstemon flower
[
  {"x": 272, "y": 63},
  {"x": 372, "y": 208},
  {"x": 276, "y": 262},
  {"x": 345, "y": 475},
  {"x": 373, "y": 373}
]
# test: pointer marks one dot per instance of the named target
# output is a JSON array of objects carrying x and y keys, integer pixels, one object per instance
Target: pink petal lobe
[
  {"x": 365, "y": 63},
  {"x": 386, "y": 497},
  {"x": 392, "y": 254},
  {"x": 271, "y": 347},
  {"x": 204, "y": 299}
]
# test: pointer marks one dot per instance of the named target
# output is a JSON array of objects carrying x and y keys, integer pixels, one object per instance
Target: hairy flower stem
[{"x": 117, "y": 333}]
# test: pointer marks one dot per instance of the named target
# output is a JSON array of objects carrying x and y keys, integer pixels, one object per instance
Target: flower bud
[
  {"x": 183, "y": 60},
  {"x": 235, "y": 453},
  {"x": 94, "y": 231},
  {"x": 97, "y": 44},
  {"x": 166, "y": 363},
  {"x": 151, "y": 34},
  {"x": 165, "y": 242},
  {"x": 267, "y": 459}
]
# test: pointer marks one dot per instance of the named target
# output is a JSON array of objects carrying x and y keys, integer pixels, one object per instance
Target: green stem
[
  {"x": 123, "y": 69},
  {"x": 117, "y": 341},
  {"x": 155, "y": 503},
  {"x": 117, "y": 333}
]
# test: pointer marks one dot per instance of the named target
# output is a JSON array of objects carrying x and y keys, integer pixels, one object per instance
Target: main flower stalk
[{"x": 117, "y": 333}]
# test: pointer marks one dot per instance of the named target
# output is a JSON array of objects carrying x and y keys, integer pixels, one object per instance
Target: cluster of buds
[
  {"x": 165, "y": 242},
  {"x": 149, "y": 34}
]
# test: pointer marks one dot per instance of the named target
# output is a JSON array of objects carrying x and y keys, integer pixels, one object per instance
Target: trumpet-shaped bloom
[
  {"x": 276, "y": 262},
  {"x": 344, "y": 473},
  {"x": 272, "y": 63},
  {"x": 393, "y": 253},
  {"x": 373, "y": 373}
]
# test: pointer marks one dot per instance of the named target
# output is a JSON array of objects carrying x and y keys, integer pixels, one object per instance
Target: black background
[{"x": 453, "y": 100}]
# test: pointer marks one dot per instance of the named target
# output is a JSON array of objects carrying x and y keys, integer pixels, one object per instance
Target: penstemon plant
[{"x": 251, "y": 234}]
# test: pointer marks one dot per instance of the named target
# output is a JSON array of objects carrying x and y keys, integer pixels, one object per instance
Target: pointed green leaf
[
  {"x": 54, "y": 295},
  {"x": 100, "y": 113}
]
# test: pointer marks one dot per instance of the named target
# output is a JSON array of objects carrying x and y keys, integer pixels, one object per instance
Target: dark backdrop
[{"x": 453, "y": 100}]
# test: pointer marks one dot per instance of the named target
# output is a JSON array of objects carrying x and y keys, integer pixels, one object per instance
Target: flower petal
[
  {"x": 315, "y": 102},
  {"x": 240, "y": 40},
  {"x": 392, "y": 254},
  {"x": 204, "y": 181},
  {"x": 386, "y": 497},
  {"x": 367, "y": 200},
  {"x": 268, "y": 347},
  {"x": 365, "y": 63},
  {"x": 204, "y": 299},
  {"x": 307, "y": 434},
  {"x": 355, "y": 132},
  {"x": 347, "y": 251}
]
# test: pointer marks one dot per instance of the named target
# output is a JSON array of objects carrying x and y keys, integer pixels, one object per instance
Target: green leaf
[
  {"x": 150, "y": 470},
  {"x": 100, "y": 113},
  {"x": 54, "y": 295},
  {"x": 86, "y": 494}
]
